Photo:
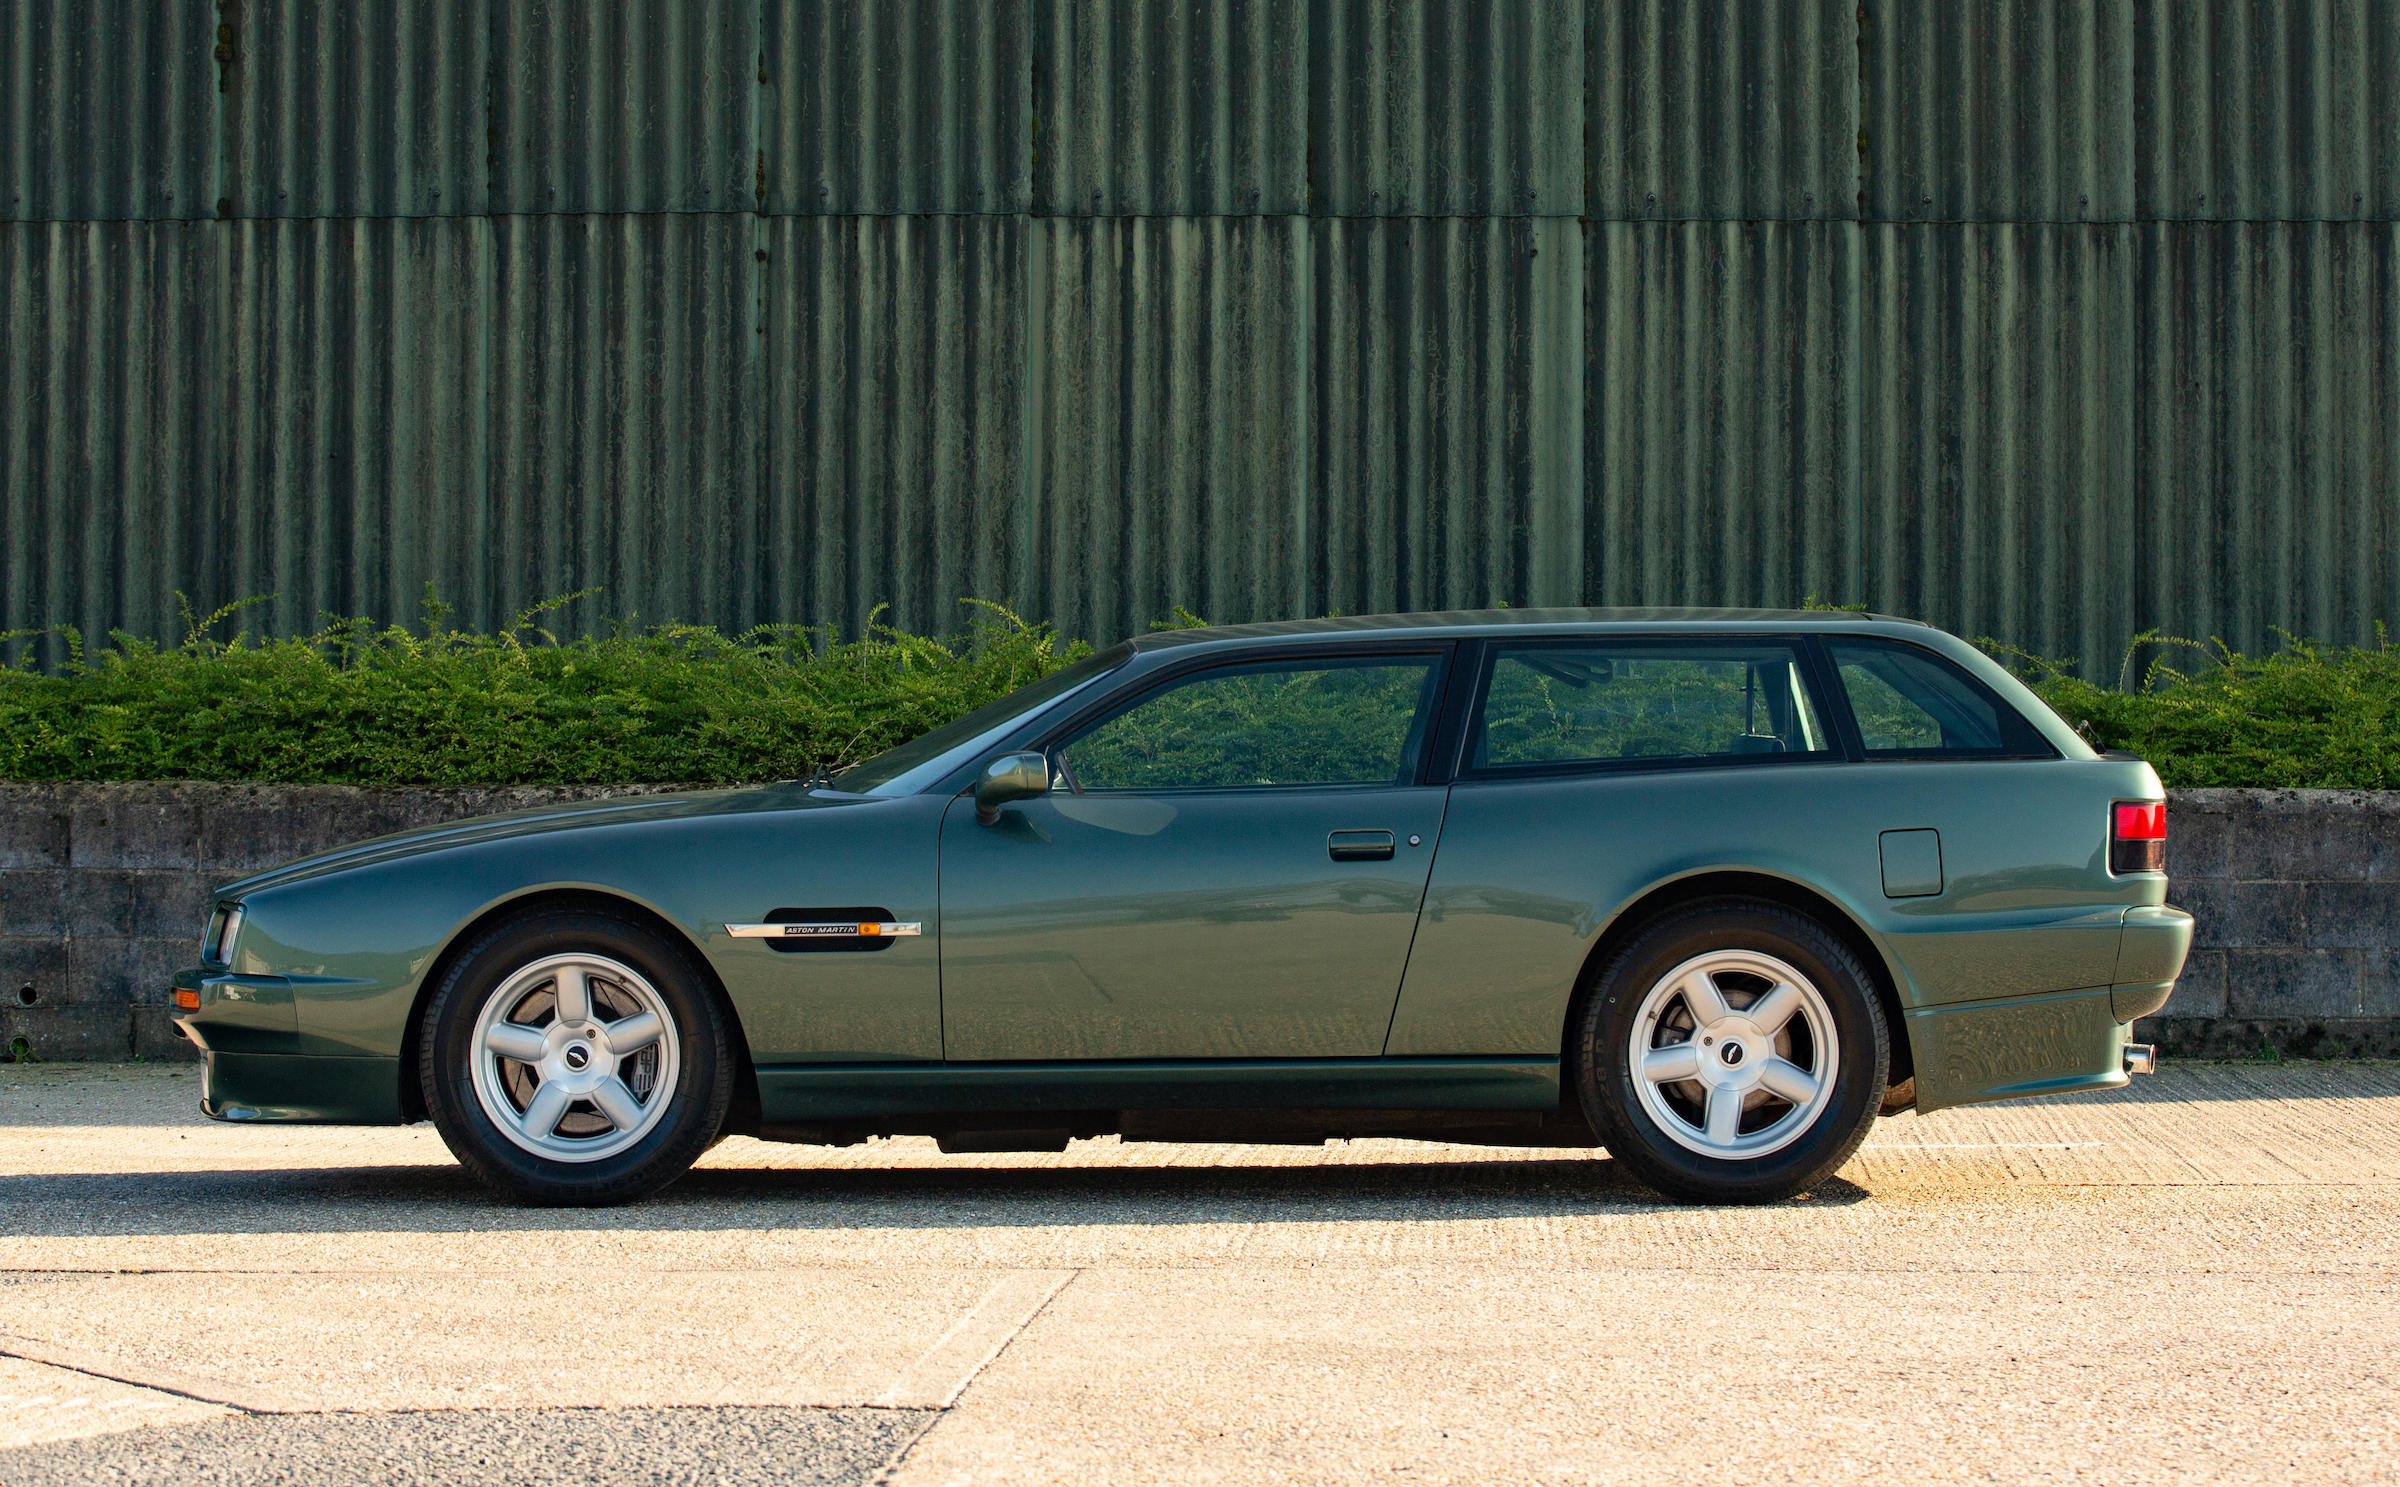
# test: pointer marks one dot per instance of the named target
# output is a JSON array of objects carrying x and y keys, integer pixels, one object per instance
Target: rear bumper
[
  {"x": 2149, "y": 958},
  {"x": 2007, "y": 1050}
]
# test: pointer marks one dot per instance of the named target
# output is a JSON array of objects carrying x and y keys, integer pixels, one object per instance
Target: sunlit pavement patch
[{"x": 554, "y": 1447}]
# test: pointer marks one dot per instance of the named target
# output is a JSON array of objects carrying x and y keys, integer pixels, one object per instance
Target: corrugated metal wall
[{"x": 2051, "y": 321}]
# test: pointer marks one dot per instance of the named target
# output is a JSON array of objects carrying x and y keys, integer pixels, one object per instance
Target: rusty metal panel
[
  {"x": 1997, "y": 110},
  {"x": 1163, "y": 107},
  {"x": 1439, "y": 108},
  {"x": 343, "y": 110},
  {"x": 1167, "y": 388},
  {"x": 2256, "y": 111},
  {"x": 108, "y": 424},
  {"x": 1447, "y": 381},
  {"x": 2268, "y": 429},
  {"x": 1721, "y": 396},
  {"x": 108, "y": 112},
  {"x": 355, "y": 383},
  {"x": 608, "y": 108},
  {"x": 624, "y": 416},
  {"x": 898, "y": 106},
  {"x": 1997, "y": 436},
  {"x": 895, "y": 418},
  {"x": 1724, "y": 112}
]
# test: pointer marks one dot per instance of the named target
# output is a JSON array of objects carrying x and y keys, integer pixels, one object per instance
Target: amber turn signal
[{"x": 186, "y": 999}]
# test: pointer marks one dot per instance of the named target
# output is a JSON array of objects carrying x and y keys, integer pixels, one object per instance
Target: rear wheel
[
  {"x": 1733, "y": 1052},
  {"x": 576, "y": 1058}
]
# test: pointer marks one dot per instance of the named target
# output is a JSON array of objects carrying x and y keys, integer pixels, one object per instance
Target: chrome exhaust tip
[{"x": 2141, "y": 1058}]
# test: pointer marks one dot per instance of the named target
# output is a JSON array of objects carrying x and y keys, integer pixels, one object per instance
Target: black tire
[
  {"x": 697, "y": 1095},
  {"x": 1602, "y": 1036}
]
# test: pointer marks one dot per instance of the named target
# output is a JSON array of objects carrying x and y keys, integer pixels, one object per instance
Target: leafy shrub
[
  {"x": 2305, "y": 715},
  {"x": 358, "y": 703}
]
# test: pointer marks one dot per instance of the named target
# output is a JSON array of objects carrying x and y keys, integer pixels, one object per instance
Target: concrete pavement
[{"x": 2190, "y": 1280}]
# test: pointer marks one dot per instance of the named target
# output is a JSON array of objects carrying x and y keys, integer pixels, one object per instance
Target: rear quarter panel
[{"x": 1531, "y": 874}]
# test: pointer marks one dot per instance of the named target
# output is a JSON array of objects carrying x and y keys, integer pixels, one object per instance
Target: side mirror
[{"x": 1009, "y": 777}]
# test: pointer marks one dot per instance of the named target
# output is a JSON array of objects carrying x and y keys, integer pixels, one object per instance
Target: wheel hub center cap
[
  {"x": 578, "y": 1058},
  {"x": 1729, "y": 1051}
]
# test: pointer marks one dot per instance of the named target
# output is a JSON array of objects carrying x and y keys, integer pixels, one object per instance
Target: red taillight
[{"x": 2137, "y": 841}]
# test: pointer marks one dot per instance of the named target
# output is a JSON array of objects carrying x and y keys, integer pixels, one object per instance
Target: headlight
[{"x": 224, "y": 927}]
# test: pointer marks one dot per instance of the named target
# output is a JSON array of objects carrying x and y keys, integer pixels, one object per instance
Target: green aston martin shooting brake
[{"x": 1711, "y": 889}]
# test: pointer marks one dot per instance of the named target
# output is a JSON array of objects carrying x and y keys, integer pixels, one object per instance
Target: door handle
[{"x": 1359, "y": 846}]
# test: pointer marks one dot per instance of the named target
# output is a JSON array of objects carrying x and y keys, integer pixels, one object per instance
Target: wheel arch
[
  {"x": 741, "y": 1117},
  {"x": 1662, "y": 898}
]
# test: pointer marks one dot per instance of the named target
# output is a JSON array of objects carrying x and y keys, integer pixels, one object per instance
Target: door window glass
[
  {"x": 1909, "y": 701},
  {"x": 1580, "y": 704},
  {"x": 1250, "y": 727}
]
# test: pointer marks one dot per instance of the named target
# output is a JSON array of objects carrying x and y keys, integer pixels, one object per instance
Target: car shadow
[{"x": 442, "y": 1199}]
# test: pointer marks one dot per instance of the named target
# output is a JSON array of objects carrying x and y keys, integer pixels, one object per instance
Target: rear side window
[
  {"x": 1635, "y": 701},
  {"x": 1912, "y": 704}
]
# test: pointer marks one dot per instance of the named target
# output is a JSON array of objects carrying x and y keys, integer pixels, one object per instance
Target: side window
[
  {"x": 1251, "y": 727},
  {"x": 1634, "y": 700},
  {"x": 1912, "y": 703}
]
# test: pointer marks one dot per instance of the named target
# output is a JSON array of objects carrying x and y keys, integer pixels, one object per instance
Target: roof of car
[{"x": 1492, "y": 621}]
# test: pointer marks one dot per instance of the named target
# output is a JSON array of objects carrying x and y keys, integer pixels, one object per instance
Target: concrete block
[
  {"x": 33, "y": 826},
  {"x": 2199, "y": 841},
  {"x": 33, "y": 901},
  {"x": 155, "y": 1036},
  {"x": 2379, "y": 983},
  {"x": 39, "y": 961},
  {"x": 162, "y": 905},
  {"x": 127, "y": 970},
  {"x": 251, "y": 830},
  {"x": 2226, "y": 914},
  {"x": 134, "y": 826},
  {"x": 2354, "y": 915},
  {"x": 2292, "y": 983},
  {"x": 2200, "y": 990},
  {"x": 57, "y": 1034},
  {"x": 2291, "y": 836}
]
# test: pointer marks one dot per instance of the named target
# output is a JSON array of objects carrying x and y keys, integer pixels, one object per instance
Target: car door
[{"x": 1228, "y": 866}]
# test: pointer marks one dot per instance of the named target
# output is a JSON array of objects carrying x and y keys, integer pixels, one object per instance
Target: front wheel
[
  {"x": 576, "y": 1058},
  {"x": 1733, "y": 1052}
]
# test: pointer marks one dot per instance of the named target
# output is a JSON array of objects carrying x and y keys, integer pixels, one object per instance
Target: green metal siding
[
  {"x": 1997, "y": 437},
  {"x": 895, "y": 419},
  {"x": 354, "y": 446},
  {"x": 1167, "y": 385},
  {"x": 1446, "y": 108},
  {"x": 625, "y": 412},
  {"x": 1447, "y": 416},
  {"x": 2267, "y": 420},
  {"x": 605, "y": 108},
  {"x": 1721, "y": 461},
  {"x": 897, "y": 106},
  {"x": 108, "y": 112},
  {"x": 1725, "y": 112},
  {"x": 1165, "y": 107},
  {"x": 1997, "y": 110},
  {"x": 2267, "y": 112},
  {"x": 107, "y": 443}
]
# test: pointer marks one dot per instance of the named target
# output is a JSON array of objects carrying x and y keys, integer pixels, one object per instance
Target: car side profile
[{"x": 1711, "y": 889}]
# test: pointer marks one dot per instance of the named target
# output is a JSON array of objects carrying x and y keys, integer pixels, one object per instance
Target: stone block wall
[{"x": 104, "y": 888}]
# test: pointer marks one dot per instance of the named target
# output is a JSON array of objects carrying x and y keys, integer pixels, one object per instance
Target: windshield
[{"x": 925, "y": 748}]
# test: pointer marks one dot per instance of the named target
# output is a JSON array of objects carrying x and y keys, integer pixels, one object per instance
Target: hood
[{"x": 577, "y": 816}]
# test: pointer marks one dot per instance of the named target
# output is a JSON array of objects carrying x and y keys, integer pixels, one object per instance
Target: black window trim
[
  {"x": 1138, "y": 690},
  {"x": 1837, "y": 750},
  {"x": 2000, "y": 705}
]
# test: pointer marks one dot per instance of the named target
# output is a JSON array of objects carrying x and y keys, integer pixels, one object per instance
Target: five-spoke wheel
[
  {"x": 1732, "y": 1051},
  {"x": 576, "y": 1057}
]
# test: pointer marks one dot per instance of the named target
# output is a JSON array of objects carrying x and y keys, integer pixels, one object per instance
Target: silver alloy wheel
[
  {"x": 575, "y": 1058},
  {"x": 1734, "y": 1054}
]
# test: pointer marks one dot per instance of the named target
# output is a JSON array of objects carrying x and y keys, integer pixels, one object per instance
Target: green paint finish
[
  {"x": 288, "y": 1089},
  {"x": 1912, "y": 863},
  {"x": 1156, "y": 946},
  {"x": 2027, "y": 1046},
  {"x": 834, "y": 1093}
]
